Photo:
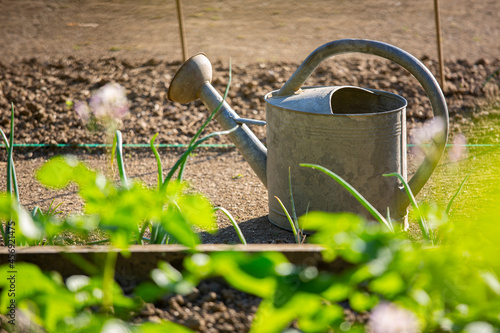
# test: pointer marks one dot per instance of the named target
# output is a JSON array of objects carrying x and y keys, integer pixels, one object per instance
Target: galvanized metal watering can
[{"x": 358, "y": 133}]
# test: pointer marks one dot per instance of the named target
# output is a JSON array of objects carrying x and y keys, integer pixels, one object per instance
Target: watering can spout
[{"x": 193, "y": 81}]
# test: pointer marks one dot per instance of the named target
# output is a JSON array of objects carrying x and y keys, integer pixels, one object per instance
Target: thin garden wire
[
  {"x": 185, "y": 145},
  {"x": 104, "y": 145}
]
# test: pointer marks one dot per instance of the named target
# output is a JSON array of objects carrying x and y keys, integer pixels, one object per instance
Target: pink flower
[
  {"x": 458, "y": 150},
  {"x": 110, "y": 101},
  {"x": 83, "y": 111},
  {"x": 389, "y": 318},
  {"x": 429, "y": 131}
]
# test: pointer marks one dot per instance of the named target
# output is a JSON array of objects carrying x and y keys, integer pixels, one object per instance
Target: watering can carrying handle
[{"x": 410, "y": 63}]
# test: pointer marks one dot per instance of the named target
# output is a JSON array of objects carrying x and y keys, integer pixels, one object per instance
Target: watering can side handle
[{"x": 407, "y": 61}]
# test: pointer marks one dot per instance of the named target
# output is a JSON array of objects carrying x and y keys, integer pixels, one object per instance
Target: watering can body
[{"x": 358, "y": 133}]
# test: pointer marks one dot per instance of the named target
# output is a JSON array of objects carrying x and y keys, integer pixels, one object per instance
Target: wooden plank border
[{"x": 144, "y": 258}]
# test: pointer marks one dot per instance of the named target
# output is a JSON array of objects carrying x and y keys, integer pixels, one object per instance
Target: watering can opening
[
  {"x": 338, "y": 100},
  {"x": 354, "y": 100}
]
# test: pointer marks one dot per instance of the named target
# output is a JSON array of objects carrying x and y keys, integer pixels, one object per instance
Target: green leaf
[
  {"x": 335, "y": 231},
  {"x": 158, "y": 160},
  {"x": 328, "y": 316},
  {"x": 338, "y": 291},
  {"x": 28, "y": 228},
  {"x": 162, "y": 327},
  {"x": 271, "y": 319},
  {"x": 292, "y": 224},
  {"x": 39, "y": 295},
  {"x": 29, "y": 281},
  {"x": 182, "y": 160},
  {"x": 234, "y": 267},
  {"x": 457, "y": 192},
  {"x": 95, "y": 291},
  {"x": 295, "y": 279},
  {"x": 233, "y": 222},
  {"x": 6, "y": 206},
  {"x": 166, "y": 279},
  {"x": 423, "y": 223},
  {"x": 361, "y": 301},
  {"x": 59, "y": 171},
  {"x": 327, "y": 223},
  {"x": 388, "y": 285},
  {"x": 174, "y": 222},
  {"x": 148, "y": 291},
  {"x": 119, "y": 158},
  {"x": 120, "y": 207},
  {"x": 197, "y": 211},
  {"x": 199, "y": 265},
  {"x": 251, "y": 273},
  {"x": 193, "y": 143}
]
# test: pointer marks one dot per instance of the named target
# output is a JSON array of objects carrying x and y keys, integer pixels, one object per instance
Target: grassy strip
[{"x": 450, "y": 203}]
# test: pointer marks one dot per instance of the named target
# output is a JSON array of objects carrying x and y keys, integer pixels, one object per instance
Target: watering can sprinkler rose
[{"x": 358, "y": 133}]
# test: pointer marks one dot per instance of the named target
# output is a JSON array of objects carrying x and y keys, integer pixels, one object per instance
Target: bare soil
[
  {"x": 247, "y": 31},
  {"x": 60, "y": 51}
]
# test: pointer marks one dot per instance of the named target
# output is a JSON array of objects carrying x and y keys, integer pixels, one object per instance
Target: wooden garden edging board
[{"x": 144, "y": 258}]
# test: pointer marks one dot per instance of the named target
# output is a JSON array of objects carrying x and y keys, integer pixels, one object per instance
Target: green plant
[
  {"x": 233, "y": 222},
  {"x": 12, "y": 188},
  {"x": 158, "y": 234},
  {"x": 424, "y": 225},
  {"x": 385, "y": 272},
  {"x": 75, "y": 305},
  {"x": 298, "y": 233},
  {"x": 451, "y": 287},
  {"x": 121, "y": 209},
  {"x": 118, "y": 210},
  {"x": 194, "y": 141},
  {"x": 51, "y": 211},
  {"x": 374, "y": 212}
]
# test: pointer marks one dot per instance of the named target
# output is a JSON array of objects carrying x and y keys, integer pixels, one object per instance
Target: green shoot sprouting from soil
[
  {"x": 298, "y": 233},
  {"x": 422, "y": 222},
  {"x": 158, "y": 159},
  {"x": 119, "y": 158},
  {"x": 235, "y": 225},
  {"x": 292, "y": 223}
]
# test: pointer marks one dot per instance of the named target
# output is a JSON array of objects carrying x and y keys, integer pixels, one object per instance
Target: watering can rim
[{"x": 269, "y": 97}]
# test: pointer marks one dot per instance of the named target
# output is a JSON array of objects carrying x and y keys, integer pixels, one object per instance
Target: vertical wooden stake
[
  {"x": 439, "y": 44},
  {"x": 181, "y": 30}
]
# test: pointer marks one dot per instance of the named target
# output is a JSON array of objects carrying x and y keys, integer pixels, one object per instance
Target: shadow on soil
[{"x": 257, "y": 230}]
